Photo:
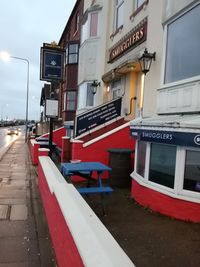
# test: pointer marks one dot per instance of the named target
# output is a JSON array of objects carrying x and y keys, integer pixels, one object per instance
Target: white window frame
[
  {"x": 117, "y": 6},
  {"x": 187, "y": 80},
  {"x": 177, "y": 192},
  {"x": 181, "y": 190}
]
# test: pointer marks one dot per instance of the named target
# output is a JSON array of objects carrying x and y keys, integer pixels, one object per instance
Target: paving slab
[
  {"x": 18, "y": 212},
  {"x": 23, "y": 229},
  {"x": 3, "y": 212}
]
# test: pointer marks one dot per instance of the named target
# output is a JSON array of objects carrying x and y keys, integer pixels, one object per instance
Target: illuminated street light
[{"x": 5, "y": 56}]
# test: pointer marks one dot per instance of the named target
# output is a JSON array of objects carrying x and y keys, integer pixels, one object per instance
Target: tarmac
[
  {"x": 24, "y": 236},
  {"x": 148, "y": 238}
]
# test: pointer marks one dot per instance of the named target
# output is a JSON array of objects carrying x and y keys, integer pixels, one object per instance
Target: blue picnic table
[{"x": 85, "y": 170}]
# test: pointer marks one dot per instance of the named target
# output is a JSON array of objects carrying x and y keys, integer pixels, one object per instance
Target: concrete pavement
[{"x": 24, "y": 237}]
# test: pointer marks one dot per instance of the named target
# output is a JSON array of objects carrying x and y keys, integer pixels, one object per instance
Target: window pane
[
  {"x": 90, "y": 96},
  {"x": 71, "y": 100},
  {"x": 71, "y": 106},
  {"x": 73, "y": 48},
  {"x": 192, "y": 171},
  {"x": 119, "y": 15},
  {"x": 71, "y": 96},
  {"x": 141, "y": 156},
  {"x": 93, "y": 24},
  {"x": 73, "y": 58},
  {"x": 184, "y": 34},
  {"x": 162, "y": 164}
]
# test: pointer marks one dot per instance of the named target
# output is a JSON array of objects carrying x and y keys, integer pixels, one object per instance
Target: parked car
[{"x": 12, "y": 130}]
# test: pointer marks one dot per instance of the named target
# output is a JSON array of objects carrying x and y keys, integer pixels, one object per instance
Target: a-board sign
[{"x": 97, "y": 116}]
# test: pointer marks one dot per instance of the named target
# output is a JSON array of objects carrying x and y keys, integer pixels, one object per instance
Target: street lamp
[{"x": 6, "y": 56}]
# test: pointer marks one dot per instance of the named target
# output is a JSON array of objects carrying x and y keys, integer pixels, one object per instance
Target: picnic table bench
[{"x": 85, "y": 170}]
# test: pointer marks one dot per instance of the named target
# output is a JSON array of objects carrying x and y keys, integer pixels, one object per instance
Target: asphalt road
[{"x": 6, "y": 139}]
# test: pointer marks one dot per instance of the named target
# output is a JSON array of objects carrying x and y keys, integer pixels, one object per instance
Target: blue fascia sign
[
  {"x": 52, "y": 63},
  {"x": 166, "y": 137}
]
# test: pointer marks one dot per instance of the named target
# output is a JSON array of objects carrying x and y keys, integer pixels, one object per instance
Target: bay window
[
  {"x": 162, "y": 164},
  {"x": 141, "y": 158},
  {"x": 192, "y": 171}
]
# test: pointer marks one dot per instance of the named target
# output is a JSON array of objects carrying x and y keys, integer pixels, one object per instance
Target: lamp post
[{"x": 6, "y": 56}]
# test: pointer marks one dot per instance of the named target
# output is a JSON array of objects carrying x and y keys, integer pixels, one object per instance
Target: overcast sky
[{"x": 24, "y": 27}]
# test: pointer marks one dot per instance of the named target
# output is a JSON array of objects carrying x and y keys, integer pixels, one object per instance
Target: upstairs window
[
  {"x": 90, "y": 96},
  {"x": 93, "y": 24},
  {"x": 72, "y": 54},
  {"x": 71, "y": 100},
  {"x": 182, "y": 60},
  {"x": 119, "y": 13}
]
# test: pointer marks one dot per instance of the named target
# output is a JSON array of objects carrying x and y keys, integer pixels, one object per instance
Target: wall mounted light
[
  {"x": 146, "y": 60},
  {"x": 108, "y": 89},
  {"x": 94, "y": 86}
]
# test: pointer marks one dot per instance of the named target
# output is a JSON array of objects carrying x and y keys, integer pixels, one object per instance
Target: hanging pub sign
[
  {"x": 52, "y": 60},
  {"x": 98, "y": 116},
  {"x": 166, "y": 137}
]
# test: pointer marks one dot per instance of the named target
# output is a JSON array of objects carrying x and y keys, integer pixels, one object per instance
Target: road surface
[{"x": 6, "y": 139}]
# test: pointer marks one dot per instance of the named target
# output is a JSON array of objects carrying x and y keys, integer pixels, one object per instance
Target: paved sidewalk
[{"x": 24, "y": 237}]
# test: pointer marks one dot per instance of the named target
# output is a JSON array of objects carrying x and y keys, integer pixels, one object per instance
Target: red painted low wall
[
  {"x": 97, "y": 151},
  {"x": 66, "y": 251},
  {"x": 33, "y": 148},
  {"x": 176, "y": 208},
  {"x": 57, "y": 136}
]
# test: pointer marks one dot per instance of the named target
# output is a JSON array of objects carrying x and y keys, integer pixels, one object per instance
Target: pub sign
[
  {"x": 166, "y": 137},
  {"x": 52, "y": 60}
]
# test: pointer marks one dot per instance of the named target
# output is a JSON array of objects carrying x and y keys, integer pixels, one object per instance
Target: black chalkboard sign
[{"x": 97, "y": 116}]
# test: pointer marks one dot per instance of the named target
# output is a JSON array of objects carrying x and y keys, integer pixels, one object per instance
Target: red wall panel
[
  {"x": 66, "y": 251},
  {"x": 173, "y": 207}
]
